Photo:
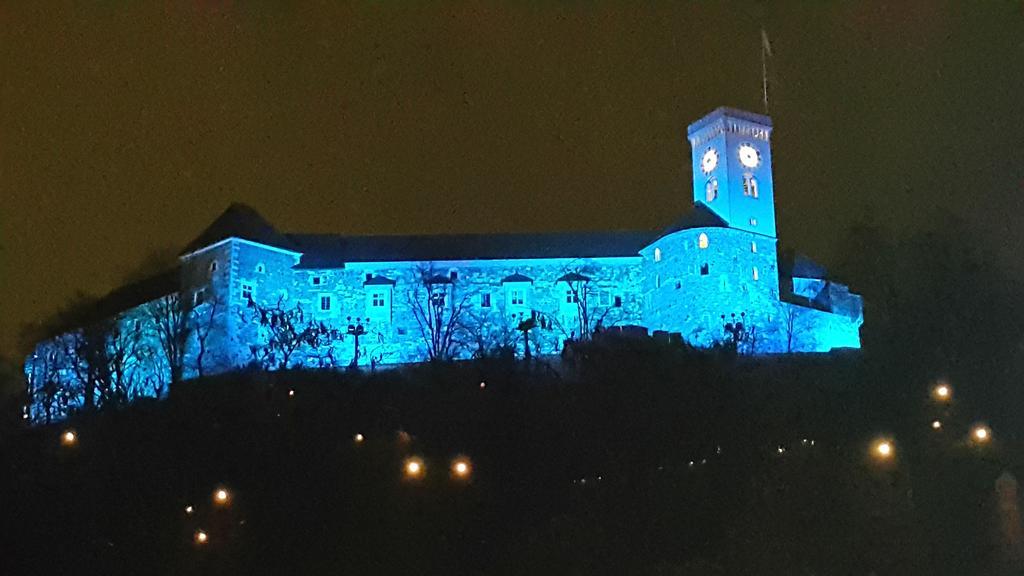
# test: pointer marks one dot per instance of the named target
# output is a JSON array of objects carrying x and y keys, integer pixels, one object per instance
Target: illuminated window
[
  {"x": 702, "y": 241},
  {"x": 756, "y": 275},
  {"x": 485, "y": 300},
  {"x": 247, "y": 291},
  {"x": 704, "y": 269},
  {"x": 711, "y": 190},
  {"x": 753, "y": 247},
  {"x": 753, "y": 221},
  {"x": 750, "y": 186},
  {"x": 517, "y": 297},
  {"x": 657, "y": 254}
]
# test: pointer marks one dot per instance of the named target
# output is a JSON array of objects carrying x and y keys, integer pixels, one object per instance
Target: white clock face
[
  {"x": 749, "y": 156},
  {"x": 709, "y": 160}
]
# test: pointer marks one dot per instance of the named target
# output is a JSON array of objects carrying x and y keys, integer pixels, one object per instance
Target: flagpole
[{"x": 764, "y": 69}]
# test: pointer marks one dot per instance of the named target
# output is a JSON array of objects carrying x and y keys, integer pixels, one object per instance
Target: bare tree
[
  {"x": 289, "y": 330},
  {"x": 202, "y": 318},
  {"x": 587, "y": 315},
  {"x": 170, "y": 315},
  {"x": 790, "y": 318},
  {"x": 438, "y": 314}
]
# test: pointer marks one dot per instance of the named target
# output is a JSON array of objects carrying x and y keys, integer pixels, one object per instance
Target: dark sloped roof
[
  {"x": 240, "y": 221},
  {"x": 517, "y": 277},
  {"x": 804, "y": 267},
  {"x": 379, "y": 281},
  {"x": 700, "y": 217},
  {"x": 333, "y": 251}
]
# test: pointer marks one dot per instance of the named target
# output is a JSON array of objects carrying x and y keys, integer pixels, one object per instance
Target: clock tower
[{"x": 732, "y": 168}]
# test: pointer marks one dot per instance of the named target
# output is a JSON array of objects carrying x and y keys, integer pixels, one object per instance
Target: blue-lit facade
[{"x": 411, "y": 298}]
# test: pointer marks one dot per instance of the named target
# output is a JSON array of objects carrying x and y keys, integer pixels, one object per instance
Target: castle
[{"x": 245, "y": 293}]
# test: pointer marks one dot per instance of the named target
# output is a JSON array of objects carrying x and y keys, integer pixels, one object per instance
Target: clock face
[
  {"x": 749, "y": 156},
  {"x": 709, "y": 160}
]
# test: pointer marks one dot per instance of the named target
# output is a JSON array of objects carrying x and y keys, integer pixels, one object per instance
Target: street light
[
  {"x": 461, "y": 467},
  {"x": 981, "y": 433},
  {"x": 883, "y": 449},
  {"x": 221, "y": 496},
  {"x": 359, "y": 438},
  {"x": 942, "y": 392},
  {"x": 414, "y": 468},
  {"x": 936, "y": 425},
  {"x": 200, "y": 537},
  {"x": 69, "y": 438}
]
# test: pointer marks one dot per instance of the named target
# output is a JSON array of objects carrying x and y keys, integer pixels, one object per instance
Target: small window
[
  {"x": 604, "y": 298},
  {"x": 657, "y": 280},
  {"x": 378, "y": 300},
  {"x": 702, "y": 241},
  {"x": 246, "y": 291},
  {"x": 657, "y": 254},
  {"x": 453, "y": 275},
  {"x": 704, "y": 268},
  {"x": 753, "y": 247},
  {"x": 485, "y": 300},
  {"x": 213, "y": 266},
  {"x": 711, "y": 190},
  {"x": 678, "y": 284},
  {"x": 753, "y": 221},
  {"x": 756, "y": 275},
  {"x": 316, "y": 280},
  {"x": 325, "y": 303},
  {"x": 618, "y": 301},
  {"x": 261, "y": 268},
  {"x": 369, "y": 276},
  {"x": 750, "y": 186},
  {"x": 571, "y": 298},
  {"x": 517, "y": 298}
]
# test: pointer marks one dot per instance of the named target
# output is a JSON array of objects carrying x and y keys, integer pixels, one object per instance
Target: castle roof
[
  {"x": 332, "y": 251},
  {"x": 700, "y": 217},
  {"x": 804, "y": 267},
  {"x": 240, "y": 221}
]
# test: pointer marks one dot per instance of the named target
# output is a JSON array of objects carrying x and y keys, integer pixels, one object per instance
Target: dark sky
[{"x": 127, "y": 129}]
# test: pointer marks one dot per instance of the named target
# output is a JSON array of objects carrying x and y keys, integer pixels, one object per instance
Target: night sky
[{"x": 126, "y": 130}]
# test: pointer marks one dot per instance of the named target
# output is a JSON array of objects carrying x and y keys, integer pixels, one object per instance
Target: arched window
[
  {"x": 657, "y": 254},
  {"x": 753, "y": 247},
  {"x": 702, "y": 241},
  {"x": 711, "y": 190},
  {"x": 261, "y": 268},
  {"x": 756, "y": 275},
  {"x": 750, "y": 186}
]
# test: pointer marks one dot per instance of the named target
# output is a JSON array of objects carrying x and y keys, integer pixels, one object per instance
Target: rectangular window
[
  {"x": 753, "y": 247},
  {"x": 485, "y": 300},
  {"x": 247, "y": 291},
  {"x": 198, "y": 297},
  {"x": 316, "y": 280},
  {"x": 618, "y": 301},
  {"x": 453, "y": 275},
  {"x": 325, "y": 302},
  {"x": 753, "y": 221},
  {"x": 517, "y": 298},
  {"x": 378, "y": 300},
  {"x": 604, "y": 298},
  {"x": 704, "y": 269},
  {"x": 756, "y": 275}
]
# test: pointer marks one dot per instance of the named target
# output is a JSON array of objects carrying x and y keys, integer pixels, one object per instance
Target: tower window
[
  {"x": 711, "y": 190},
  {"x": 657, "y": 280},
  {"x": 485, "y": 300},
  {"x": 756, "y": 275},
  {"x": 753, "y": 247},
  {"x": 704, "y": 269},
  {"x": 753, "y": 221},
  {"x": 702, "y": 241},
  {"x": 261, "y": 268},
  {"x": 657, "y": 254},
  {"x": 750, "y": 186},
  {"x": 213, "y": 266},
  {"x": 453, "y": 275}
]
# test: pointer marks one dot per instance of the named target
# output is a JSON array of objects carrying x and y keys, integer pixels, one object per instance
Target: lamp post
[{"x": 356, "y": 330}]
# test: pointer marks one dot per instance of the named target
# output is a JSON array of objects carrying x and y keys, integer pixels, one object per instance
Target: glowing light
[
  {"x": 201, "y": 537},
  {"x": 483, "y": 385},
  {"x": 883, "y": 449},
  {"x": 942, "y": 392},
  {"x": 189, "y": 510},
  {"x": 221, "y": 496},
  {"x": 461, "y": 467},
  {"x": 414, "y": 468},
  {"x": 291, "y": 393},
  {"x": 359, "y": 438},
  {"x": 981, "y": 433},
  {"x": 936, "y": 425},
  {"x": 702, "y": 241},
  {"x": 69, "y": 438}
]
